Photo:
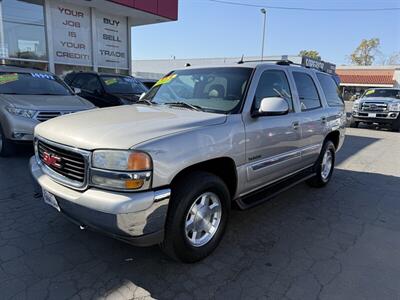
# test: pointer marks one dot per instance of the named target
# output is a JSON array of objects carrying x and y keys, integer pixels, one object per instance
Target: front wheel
[
  {"x": 396, "y": 126},
  {"x": 197, "y": 217},
  {"x": 324, "y": 166},
  {"x": 6, "y": 147}
]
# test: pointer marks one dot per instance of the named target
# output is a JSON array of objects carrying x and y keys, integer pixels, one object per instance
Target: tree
[
  {"x": 392, "y": 59},
  {"x": 364, "y": 55},
  {"x": 310, "y": 53}
]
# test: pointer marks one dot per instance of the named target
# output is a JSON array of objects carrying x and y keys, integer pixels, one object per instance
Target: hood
[
  {"x": 47, "y": 102},
  {"x": 122, "y": 127},
  {"x": 379, "y": 99}
]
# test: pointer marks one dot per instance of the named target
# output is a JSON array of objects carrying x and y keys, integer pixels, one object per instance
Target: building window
[
  {"x": 22, "y": 34},
  {"x": 63, "y": 70},
  {"x": 113, "y": 71}
]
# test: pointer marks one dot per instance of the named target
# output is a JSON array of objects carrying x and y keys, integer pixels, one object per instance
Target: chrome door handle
[{"x": 296, "y": 125}]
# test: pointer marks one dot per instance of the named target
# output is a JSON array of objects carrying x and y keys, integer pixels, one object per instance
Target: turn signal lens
[
  {"x": 139, "y": 161},
  {"x": 134, "y": 183}
]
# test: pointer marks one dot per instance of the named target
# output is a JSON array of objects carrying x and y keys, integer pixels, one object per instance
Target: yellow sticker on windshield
[
  {"x": 370, "y": 92},
  {"x": 166, "y": 79},
  {"x": 7, "y": 78},
  {"x": 110, "y": 81}
]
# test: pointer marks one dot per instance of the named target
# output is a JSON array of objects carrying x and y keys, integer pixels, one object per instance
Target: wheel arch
[
  {"x": 334, "y": 137},
  {"x": 223, "y": 167}
]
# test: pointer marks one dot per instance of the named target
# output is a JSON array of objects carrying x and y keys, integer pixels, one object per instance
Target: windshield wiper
[
  {"x": 184, "y": 104},
  {"x": 148, "y": 102}
]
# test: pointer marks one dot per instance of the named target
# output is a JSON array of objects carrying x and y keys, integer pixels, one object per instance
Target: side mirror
[
  {"x": 142, "y": 96},
  {"x": 272, "y": 106},
  {"x": 77, "y": 90}
]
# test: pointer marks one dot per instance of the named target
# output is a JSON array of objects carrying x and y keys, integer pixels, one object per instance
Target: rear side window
[
  {"x": 87, "y": 82},
  {"x": 331, "y": 90},
  {"x": 308, "y": 94}
]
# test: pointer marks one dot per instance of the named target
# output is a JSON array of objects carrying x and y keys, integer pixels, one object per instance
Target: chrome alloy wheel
[
  {"x": 203, "y": 219},
  {"x": 327, "y": 164}
]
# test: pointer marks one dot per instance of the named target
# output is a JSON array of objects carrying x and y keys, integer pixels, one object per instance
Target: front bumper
[
  {"x": 379, "y": 117},
  {"x": 136, "y": 218}
]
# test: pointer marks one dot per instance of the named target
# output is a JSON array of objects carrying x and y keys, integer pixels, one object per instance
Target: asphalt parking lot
[{"x": 340, "y": 242}]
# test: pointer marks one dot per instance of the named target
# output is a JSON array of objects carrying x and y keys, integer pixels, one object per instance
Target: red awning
[{"x": 366, "y": 77}]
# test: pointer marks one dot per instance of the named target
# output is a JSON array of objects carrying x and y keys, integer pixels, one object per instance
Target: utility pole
[{"x": 264, "y": 12}]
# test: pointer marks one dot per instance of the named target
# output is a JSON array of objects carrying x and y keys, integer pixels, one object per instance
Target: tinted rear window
[{"x": 331, "y": 90}]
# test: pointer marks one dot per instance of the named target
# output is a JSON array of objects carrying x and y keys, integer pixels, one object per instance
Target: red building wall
[{"x": 164, "y": 8}]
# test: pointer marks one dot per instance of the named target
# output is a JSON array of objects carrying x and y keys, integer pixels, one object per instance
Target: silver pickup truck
[
  {"x": 168, "y": 169},
  {"x": 380, "y": 106}
]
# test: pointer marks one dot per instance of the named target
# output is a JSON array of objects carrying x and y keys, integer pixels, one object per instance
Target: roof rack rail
[{"x": 306, "y": 62}]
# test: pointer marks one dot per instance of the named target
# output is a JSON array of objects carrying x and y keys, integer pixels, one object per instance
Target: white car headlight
[
  {"x": 22, "y": 112},
  {"x": 394, "y": 106},
  {"x": 121, "y": 170}
]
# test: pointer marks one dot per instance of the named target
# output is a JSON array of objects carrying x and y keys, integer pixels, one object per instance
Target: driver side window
[{"x": 273, "y": 83}]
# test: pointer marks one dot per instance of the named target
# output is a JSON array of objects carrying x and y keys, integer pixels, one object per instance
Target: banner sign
[
  {"x": 71, "y": 33},
  {"x": 318, "y": 64},
  {"x": 112, "y": 41}
]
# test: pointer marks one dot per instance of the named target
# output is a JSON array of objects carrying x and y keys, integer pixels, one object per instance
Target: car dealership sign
[
  {"x": 72, "y": 36},
  {"x": 112, "y": 41},
  {"x": 71, "y": 33}
]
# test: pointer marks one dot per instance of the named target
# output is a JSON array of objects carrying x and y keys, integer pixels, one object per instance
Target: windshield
[
  {"x": 122, "y": 85},
  {"x": 219, "y": 90},
  {"x": 32, "y": 84},
  {"x": 387, "y": 93}
]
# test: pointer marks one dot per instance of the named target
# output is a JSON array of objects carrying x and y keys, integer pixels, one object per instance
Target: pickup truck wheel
[
  {"x": 197, "y": 217},
  {"x": 324, "y": 166},
  {"x": 396, "y": 126},
  {"x": 6, "y": 147}
]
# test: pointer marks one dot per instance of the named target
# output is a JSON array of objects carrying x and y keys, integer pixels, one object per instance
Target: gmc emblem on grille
[{"x": 51, "y": 160}]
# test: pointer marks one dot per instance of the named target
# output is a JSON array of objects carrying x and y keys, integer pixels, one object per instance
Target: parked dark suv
[{"x": 105, "y": 90}]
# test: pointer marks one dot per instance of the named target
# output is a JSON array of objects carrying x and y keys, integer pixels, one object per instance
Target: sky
[{"x": 208, "y": 29}]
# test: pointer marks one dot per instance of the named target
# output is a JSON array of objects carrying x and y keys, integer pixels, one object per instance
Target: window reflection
[{"x": 23, "y": 33}]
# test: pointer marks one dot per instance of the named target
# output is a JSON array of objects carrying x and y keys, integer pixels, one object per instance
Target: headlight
[
  {"x": 121, "y": 160},
  {"x": 394, "y": 106},
  {"x": 26, "y": 113},
  {"x": 121, "y": 170},
  {"x": 356, "y": 105}
]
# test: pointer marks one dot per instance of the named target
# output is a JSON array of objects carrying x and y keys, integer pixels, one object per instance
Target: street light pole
[{"x": 264, "y": 12}]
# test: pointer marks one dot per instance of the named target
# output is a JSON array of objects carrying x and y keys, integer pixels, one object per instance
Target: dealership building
[{"x": 65, "y": 35}]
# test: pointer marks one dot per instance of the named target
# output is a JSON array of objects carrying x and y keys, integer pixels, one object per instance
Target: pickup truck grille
[
  {"x": 67, "y": 163},
  {"x": 43, "y": 116},
  {"x": 374, "y": 107}
]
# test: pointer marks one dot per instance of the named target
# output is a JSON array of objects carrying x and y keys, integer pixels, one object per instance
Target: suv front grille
[
  {"x": 43, "y": 116},
  {"x": 378, "y": 106},
  {"x": 67, "y": 163}
]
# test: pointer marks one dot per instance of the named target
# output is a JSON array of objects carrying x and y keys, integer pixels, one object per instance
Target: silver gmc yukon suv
[
  {"x": 168, "y": 169},
  {"x": 380, "y": 106}
]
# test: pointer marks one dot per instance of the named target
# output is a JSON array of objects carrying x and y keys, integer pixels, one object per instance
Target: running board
[{"x": 270, "y": 191}]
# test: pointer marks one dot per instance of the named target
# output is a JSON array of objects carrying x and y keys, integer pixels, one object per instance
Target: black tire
[
  {"x": 185, "y": 192},
  {"x": 319, "y": 180},
  {"x": 354, "y": 124},
  {"x": 6, "y": 146},
  {"x": 395, "y": 126}
]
